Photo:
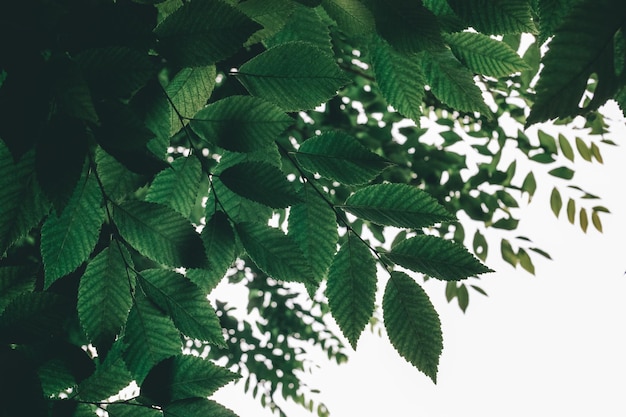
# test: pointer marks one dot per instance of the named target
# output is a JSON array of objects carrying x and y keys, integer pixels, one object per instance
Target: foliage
[{"x": 151, "y": 150}]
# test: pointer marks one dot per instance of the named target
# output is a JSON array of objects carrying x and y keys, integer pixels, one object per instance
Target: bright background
[{"x": 546, "y": 345}]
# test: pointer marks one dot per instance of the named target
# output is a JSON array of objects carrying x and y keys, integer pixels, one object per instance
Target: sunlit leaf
[{"x": 412, "y": 323}]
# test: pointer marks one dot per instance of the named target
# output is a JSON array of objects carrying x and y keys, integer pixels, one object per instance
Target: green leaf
[
  {"x": 184, "y": 302},
  {"x": 595, "y": 219},
  {"x": 126, "y": 408},
  {"x": 260, "y": 182},
  {"x": 275, "y": 253},
  {"x": 68, "y": 240},
  {"x": 495, "y": 17},
  {"x": 485, "y": 55},
  {"x": 547, "y": 142},
  {"x": 160, "y": 233},
  {"x": 525, "y": 261},
  {"x": 412, "y": 323},
  {"x": 305, "y": 25},
  {"x": 150, "y": 337},
  {"x": 529, "y": 185},
  {"x": 407, "y": 26},
  {"x": 203, "y": 32},
  {"x": 14, "y": 281},
  {"x": 508, "y": 254},
  {"x": 116, "y": 179},
  {"x": 352, "y": 16},
  {"x": 583, "y": 150},
  {"x": 184, "y": 376},
  {"x": 595, "y": 151},
  {"x": 241, "y": 123},
  {"x": 584, "y": 220},
  {"x": 32, "y": 317},
  {"x": 571, "y": 211},
  {"x": 566, "y": 148},
  {"x": 105, "y": 294},
  {"x": 556, "y": 202},
  {"x": 178, "y": 185},
  {"x": 351, "y": 288},
  {"x": 295, "y": 76},
  {"x": 273, "y": 15},
  {"x": 188, "y": 92},
  {"x": 400, "y": 78},
  {"x": 109, "y": 378},
  {"x": 313, "y": 226},
  {"x": 197, "y": 407},
  {"x": 436, "y": 257},
  {"x": 340, "y": 157},
  {"x": 462, "y": 297},
  {"x": 22, "y": 204},
  {"x": 220, "y": 246},
  {"x": 551, "y": 16},
  {"x": 479, "y": 243},
  {"x": 452, "y": 83},
  {"x": 582, "y": 46},
  {"x": 562, "y": 172},
  {"x": 239, "y": 208},
  {"x": 399, "y": 205}
]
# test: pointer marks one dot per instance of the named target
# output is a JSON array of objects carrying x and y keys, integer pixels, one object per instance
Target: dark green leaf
[
  {"x": 562, "y": 172},
  {"x": 462, "y": 297},
  {"x": 412, "y": 323},
  {"x": 184, "y": 376},
  {"x": 16, "y": 280},
  {"x": 529, "y": 185},
  {"x": 351, "y": 288},
  {"x": 117, "y": 180},
  {"x": 220, "y": 246},
  {"x": 313, "y": 225},
  {"x": 150, "y": 337},
  {"x": 105, "y": 293},
  {"x": 340, "y": 157},
  {"x": 188, "y": 92},
  {"x": 436, "y": 257},
  {"x": 508, "y": 254},
  {"x": 399, "y": 205},
  {"x": 241, "y": 123},
  {"x": 294, "y": 76},
  {"x": 525, "y": 261},
  {"x": 203, "y": 32},
  {"x": 260, "y": 182},
  {"x": 485, "y": 55},
  {"x": 68, "y": 240},
  {"x": 160, "y": 233},
  {"x": 480, "y": 245},
  {"x": 275, "y": 253},
  {"x": 495, "y": 17},
  {"x": 132, "y": 409},
  {"x": 547, "y": 142},
  {"x": 109, "y": 378},
  {"x": 184, "y": 302},
  {"x": 197, "y": 407},
  {"x": 400, "y": 78},
  {"x": 352, "y": 16},
  {"x": 508, "y": 223},
  {"x": 178, "y": 185},
  {"x": 273, "y": 15}
]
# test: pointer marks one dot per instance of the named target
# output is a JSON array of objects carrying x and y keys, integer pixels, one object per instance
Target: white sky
[{"x": 546, "y": 345}]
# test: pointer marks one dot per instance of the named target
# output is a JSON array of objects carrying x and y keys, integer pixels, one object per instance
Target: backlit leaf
[
  {"x": 184, "y": 302},
  {"x": 219, "y": 242},
  {"x": 436, "y": 257},
  {"x": 352, "y": 16},
  {"x": 571, "y": 211},
  {"x": 68, "y": 240},
  {"x": 184, "y": 376},
  {"x": 241, "y": 123},
  {"x": 351, "y": 288},
  {"x": 109, "y": 378},
  {"x": 150, "y": 337},
  {"x": 452, "y": 83},
  {"x": 412, "y": 323},
  {"x": 495, "y": 17},
  {"x": 337, "y": 156},
  {"x": 105, "y": 293},
  {"x": 485, "y": 55},
  {"x": 294, "y": 76},
  {"x": 400, "y": 78},
  {"x": 313, "y": 225},
  {"x": 525, "y": 261},
  {"x": 197, "y": 407},
  {"x": 399, "y": 205},
  {"x": 583, "y": 150},
  {"x": 273, "y": 15},
  {"x": 508, "y": 254},
  {"x": 566, "y": 148},
  {"x": 203, "y": 32},
  {"x": 275, "y": 253},
  {"x": 160, "y": 233},
  {"x": 188, "y": 92},
  {"x": 260, "y": 182},
  {"x": 178, "y": 185}
]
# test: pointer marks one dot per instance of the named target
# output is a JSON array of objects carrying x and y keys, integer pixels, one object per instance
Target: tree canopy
[{"x": 310, "y": 151}]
